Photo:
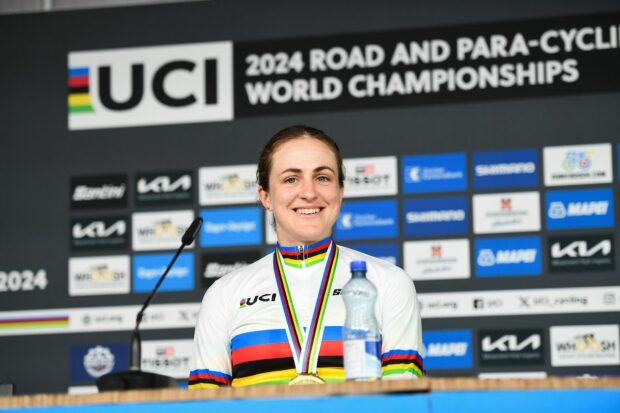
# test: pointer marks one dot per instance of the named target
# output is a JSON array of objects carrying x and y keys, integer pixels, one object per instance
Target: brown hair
[{"x": 285, "y": 135}]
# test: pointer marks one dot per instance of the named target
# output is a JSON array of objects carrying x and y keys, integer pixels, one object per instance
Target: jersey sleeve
[
  {"x": 401, "y": 348},
  {"x": 211, "y": 365}
]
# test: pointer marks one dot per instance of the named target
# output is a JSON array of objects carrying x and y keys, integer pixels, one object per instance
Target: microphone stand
[{"x": 135, "y": 378}]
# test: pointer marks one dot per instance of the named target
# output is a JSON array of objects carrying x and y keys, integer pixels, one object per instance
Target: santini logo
[
  {"x": 102, "y": 193},
  {"x": 487, "y": 258}
]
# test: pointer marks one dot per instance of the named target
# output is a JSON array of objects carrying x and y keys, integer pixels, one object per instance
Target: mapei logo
[
  {"x": 371, "y": 176},
  {"x": 448, "y": 349},
  {"x": 434, "y": 173},
  {"x": 581, "y": 253},
  {"x": 436, "y": 216},
  {"x": 221, "y": 185},
  {"x": 265, "y": 298},
  {"x": 507, "y": 256},
  {"x": 367, "y": 219},
  {"x": 150, "y": 85},
  {"x": 578, "y": 164},
  {"x": 505, "y": 169},
  {"x": 108, "y": 191},
  {"x": 164, "y": 188},
  {"x": 511, "y": 347},
  {"x": 586, "y": 208},
  {"x": 99, "y": 233}
]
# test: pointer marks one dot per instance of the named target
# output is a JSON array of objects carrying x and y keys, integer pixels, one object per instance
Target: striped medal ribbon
[{"x": 305, "y": 345}]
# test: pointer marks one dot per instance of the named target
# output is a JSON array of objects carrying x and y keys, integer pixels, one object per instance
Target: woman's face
[{"x": 304, "y": 193}]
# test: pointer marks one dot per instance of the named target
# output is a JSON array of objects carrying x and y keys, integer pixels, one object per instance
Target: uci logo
[
  {"x": 269, "y": 297},
  {"x": 150, "y": 85}
]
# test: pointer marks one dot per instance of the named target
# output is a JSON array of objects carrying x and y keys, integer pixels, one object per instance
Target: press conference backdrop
[{"x": 481, "y": 146}]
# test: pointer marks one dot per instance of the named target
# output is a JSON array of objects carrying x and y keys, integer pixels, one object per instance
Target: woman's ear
[{"x": 264, "y": 198}]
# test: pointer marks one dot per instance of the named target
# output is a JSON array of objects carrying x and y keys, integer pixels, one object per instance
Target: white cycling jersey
[{"x": 241, "y": 339}]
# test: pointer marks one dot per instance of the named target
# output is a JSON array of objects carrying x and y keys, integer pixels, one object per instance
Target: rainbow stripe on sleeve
[
  {"x": 401, "y": 362},
  {"x": 205, "y": 378}
]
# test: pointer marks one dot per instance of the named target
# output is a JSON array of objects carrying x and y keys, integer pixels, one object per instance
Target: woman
[{"x": 269, "y": 323}]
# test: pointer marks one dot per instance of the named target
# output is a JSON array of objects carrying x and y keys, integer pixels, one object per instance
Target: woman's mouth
[{"x": 308, "y": 211}]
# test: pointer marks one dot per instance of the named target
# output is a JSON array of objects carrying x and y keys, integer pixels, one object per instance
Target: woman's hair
[{"x": 285, "y": 135}]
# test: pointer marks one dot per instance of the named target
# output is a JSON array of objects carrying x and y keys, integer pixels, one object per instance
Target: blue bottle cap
[{"x": 358, "y": 266}]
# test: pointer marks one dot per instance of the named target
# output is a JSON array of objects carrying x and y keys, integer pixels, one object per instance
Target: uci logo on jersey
[{"x": 269, "y": 297}]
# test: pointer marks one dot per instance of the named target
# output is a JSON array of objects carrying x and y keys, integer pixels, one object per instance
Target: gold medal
[{"x": 303, "y": 379}]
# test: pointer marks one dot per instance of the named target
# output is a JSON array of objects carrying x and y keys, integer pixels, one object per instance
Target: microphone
[{"x": 135, "y": 378}]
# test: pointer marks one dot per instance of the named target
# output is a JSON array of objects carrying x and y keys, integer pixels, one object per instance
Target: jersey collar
[{"x": 305, "y": 255}]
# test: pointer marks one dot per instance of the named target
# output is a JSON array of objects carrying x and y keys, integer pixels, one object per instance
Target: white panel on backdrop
[
  {"x": 168, "y": 357},
  {"x": 375, "y": 176},
  {"x": 222, "y": 185},
  {"x": 437, "y": 259},
  {"x": 585, "y": 345},
  {"x": 99, "y": 275},
  {"x": 160, "y": 230},
  {"x": 578, "y": 164},
  {"x": 506, "y": 212},
  {"x": 153, "y": 85}
]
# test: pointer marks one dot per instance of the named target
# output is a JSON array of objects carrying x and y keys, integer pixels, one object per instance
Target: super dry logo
[{"x": 150, "y": 85}]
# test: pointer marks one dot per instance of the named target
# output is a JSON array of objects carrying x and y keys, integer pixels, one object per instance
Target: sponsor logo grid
[{"x": 220, "y": 189}]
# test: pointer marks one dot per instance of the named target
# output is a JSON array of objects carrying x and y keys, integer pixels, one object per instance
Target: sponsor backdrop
[{"x": 481, "y": 148}]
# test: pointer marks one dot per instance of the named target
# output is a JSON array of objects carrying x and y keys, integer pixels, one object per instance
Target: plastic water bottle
[{"x": 361, "y": 336}]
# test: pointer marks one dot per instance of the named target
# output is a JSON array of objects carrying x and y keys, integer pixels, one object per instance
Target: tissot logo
[
  {"x": 150, "y": 85},
  {"x": 99, "y": 233},
  {"x": 370, "y": 176},
  {"x": 164, "y": 188},
  {"x": 167, "y": 357},
  {"x": 109, "y": 191},
  {"x": 511, "y": 347},
  {"x": 581, "y": 253},
  {"x": 265, "y": 298}
]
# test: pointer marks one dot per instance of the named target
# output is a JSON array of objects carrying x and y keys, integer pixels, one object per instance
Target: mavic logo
[
  {"x": 510, "y": 342},
  {"x": 580, "y": 249},
  {"x": 164, "y": 184},
  {"x": 98, "y": 229}
]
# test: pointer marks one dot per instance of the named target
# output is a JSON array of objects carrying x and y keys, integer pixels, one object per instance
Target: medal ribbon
[{"x": 305, "y": 347}]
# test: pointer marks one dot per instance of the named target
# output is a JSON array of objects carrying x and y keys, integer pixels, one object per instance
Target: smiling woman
[{"x": 282, "y": 316}]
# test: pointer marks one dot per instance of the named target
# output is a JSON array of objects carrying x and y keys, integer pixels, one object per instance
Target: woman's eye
[
  {"x": 291, "y": 180},
  {"x": 323, "y": 178}
]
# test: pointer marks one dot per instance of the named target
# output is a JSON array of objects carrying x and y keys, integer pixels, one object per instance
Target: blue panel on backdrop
[
  {"x": 496, "y": 257},
  {"x": 367, "y": 219},
  {"x": 505, "y": 169},
  {"x": 436, "y": 216},
  {"x": 448, "y": 349},
  {"x": 581, "y": 208},
  {"x": 434, "y": 173},
  {"x": 148, "y": 268},
  {"x": 231, "y": 226}
]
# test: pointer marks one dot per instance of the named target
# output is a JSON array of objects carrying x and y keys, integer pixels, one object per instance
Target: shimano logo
[
  {"x": 217, "y": 270},
  {"x": 100, "y": 193},
  {"x": 512, "y": 168},
  {"x": 164, "y": 184},
  {"x": 578, "y": 249},
  {"x": 487, "y": 258},
  {"x": 435, "y": 216},
  {"x": 510, "y": 342},
  {"x": 450, "y": 349},
  {"x": 98, "y": 229}
]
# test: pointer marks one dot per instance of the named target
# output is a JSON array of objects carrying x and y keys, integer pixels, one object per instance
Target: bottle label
[{"x": 361, "y": 360}]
